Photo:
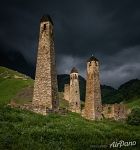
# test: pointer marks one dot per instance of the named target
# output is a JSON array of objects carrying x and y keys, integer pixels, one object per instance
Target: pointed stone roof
[
  {"x": 92, "y": 58},
  {"x": 74, "y": 70},
  {"x": 45, "y": 18}
]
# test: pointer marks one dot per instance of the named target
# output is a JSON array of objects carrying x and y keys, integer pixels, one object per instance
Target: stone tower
[
  {"x": 45, "y": 96},
  {"x": 93, "y": 106},
  {"x": 66, "y": 92},
  {"x": 74, "y": 101}
]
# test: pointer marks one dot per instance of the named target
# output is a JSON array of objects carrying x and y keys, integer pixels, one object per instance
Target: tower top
[
  {"x": 74, "y": 70},
  {"x": 92, "y": 58},
  {"x": 46, "y": 18}
]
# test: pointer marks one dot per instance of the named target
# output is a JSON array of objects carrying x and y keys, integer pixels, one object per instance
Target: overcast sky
[{"x": 108, "y": 29}]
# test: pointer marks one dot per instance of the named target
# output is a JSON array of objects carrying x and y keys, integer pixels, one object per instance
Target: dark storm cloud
[
  {"x": 108, "y": 29},
  {"x": 121, "y": 67}
]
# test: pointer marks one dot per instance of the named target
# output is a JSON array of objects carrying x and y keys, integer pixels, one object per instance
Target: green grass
[
  {"x": 133, "y": 103},
  {"x": 10, "y": 86},
  {"x": 25, "y": 130},
  {"x": 62, "y": 103}
]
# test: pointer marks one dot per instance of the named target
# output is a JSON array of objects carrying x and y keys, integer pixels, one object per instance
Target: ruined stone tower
[
  {"x": 45, "y": 95},
  {"x": 93, "y": 105},
  {"x": 67, "y": 92},
  {"x": 74, "y": 101}
]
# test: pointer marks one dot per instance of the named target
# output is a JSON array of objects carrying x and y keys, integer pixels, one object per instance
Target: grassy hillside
[
  {"x": 20, "y": 129},
  {"x": 28, "y": 131},
  {"x": 130, "y": 90},
  {"x": 11, "y": 82},
  {"x": 18, "y": 87},
  {"x": 133, "y": 103}
]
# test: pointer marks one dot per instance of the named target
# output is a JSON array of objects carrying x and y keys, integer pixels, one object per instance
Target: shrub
[{"x": 134, "y": 116}]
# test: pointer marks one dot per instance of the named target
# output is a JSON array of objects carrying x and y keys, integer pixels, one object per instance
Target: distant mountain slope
[
  {"x": 16, "y": 61},
  {"x": 127, "y": 91},
  {"x": 130, "y": 90},
  {"x": 14, "y": 84},
  {"x": 108, "y": 92},
  {"x": 133, "y": 103}
]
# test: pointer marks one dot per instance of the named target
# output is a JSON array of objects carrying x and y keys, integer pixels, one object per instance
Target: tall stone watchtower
[
  {"x": 45, "y": 94},
  {"x": 74, "y": 100},
  {"x": 93, "y": 107}
]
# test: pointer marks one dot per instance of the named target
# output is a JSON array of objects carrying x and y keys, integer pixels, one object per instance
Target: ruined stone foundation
[{"x": 115, "y": 111}]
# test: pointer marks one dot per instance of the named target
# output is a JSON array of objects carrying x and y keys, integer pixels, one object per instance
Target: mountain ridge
[{"x": 126, "y": 92}]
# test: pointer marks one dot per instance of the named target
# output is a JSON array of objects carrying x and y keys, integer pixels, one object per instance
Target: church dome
[
  {"x": 74, "y": 70},
  {"x": 92, "y": 58},
  {"x": 45, "y": 18}
]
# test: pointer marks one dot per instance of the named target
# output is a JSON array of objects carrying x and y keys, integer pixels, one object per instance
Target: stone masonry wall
[
  {"x": 67, "y": 92},
  {"x": 45, "y": 86},
  {"x": 75, "y": 105},
  {"x": 115, "y": 111},
  {"x": 54, "y": 84},
  {"x": 93, "y": 106}
]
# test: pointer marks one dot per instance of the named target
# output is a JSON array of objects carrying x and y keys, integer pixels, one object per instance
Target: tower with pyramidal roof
[
  {"x": 45, "y": 95},
  {"x": 74, "y": 95},
  {"x": 93, "y": 106}
]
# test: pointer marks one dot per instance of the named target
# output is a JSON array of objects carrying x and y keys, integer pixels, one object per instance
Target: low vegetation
[
  {"x": 26, "y": 130},
  {"x": 134, "y": 117},
  {"x": 20, "y": 129},
  {"x": 133, "y": 103},
  {"x": 11, "y": 82}
]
